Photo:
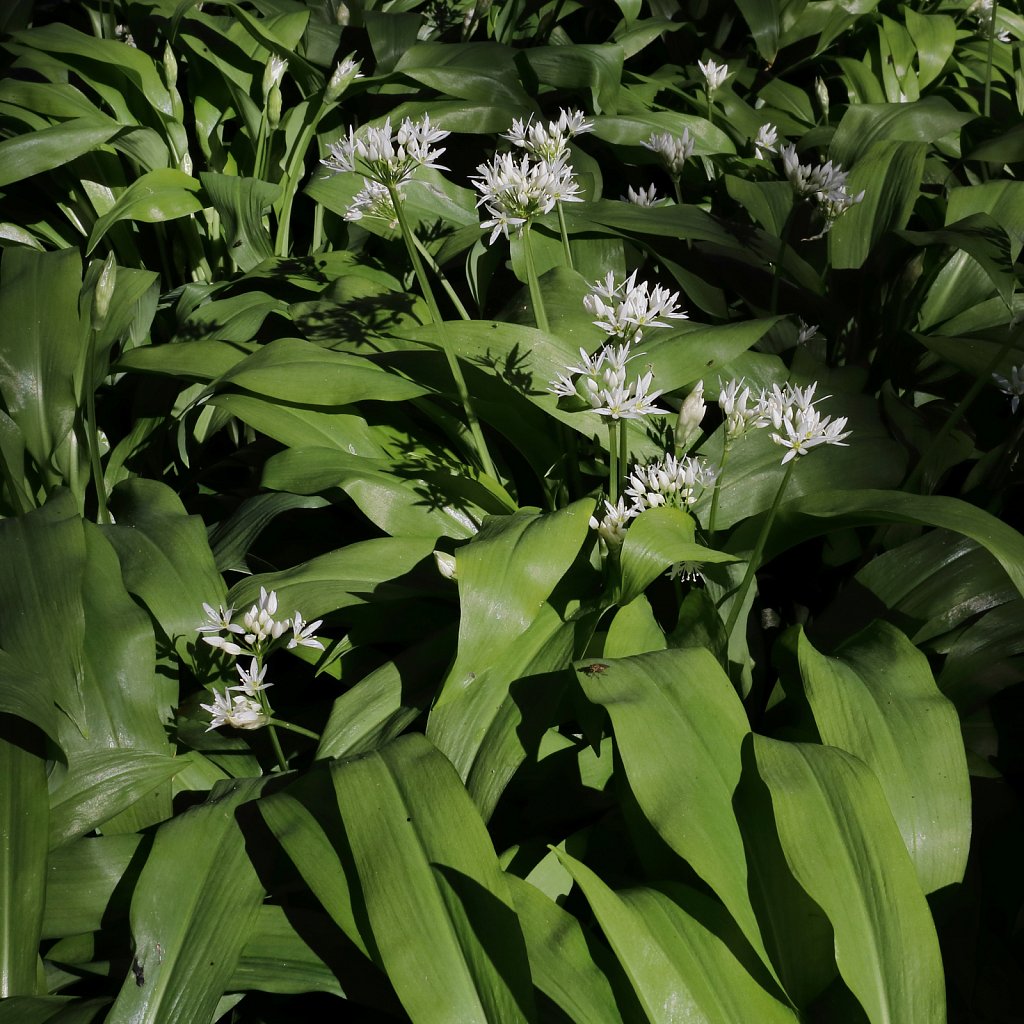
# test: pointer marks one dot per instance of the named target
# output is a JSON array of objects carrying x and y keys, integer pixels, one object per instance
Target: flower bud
[
  {"x": 170, "y": 67},
  {"x": 344, "y": 72},
  {"x": 272, "y": 75},
  {"x": 103, "y": 292},
  {"x": 821, "y": 91},
  {"x": 446, "y": 565},
  {"x": 274, "y": 108},
  {"x": 691, "y": 415}
]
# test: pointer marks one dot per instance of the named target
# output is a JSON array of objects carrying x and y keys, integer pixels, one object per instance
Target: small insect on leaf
[
  {"x": 140, "y": 974},
  {"x": 594, "y": 669}
]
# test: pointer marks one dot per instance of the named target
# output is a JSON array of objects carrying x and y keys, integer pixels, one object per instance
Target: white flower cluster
[
  {"x": 714, "y": 74},
  {"x": 387, "y": 159},
  {"x": 624, "y": 310},
  {"x": 255, "y": 635},
  {"x": 1012, "y": 385},
  {"x": 799, "y": 426},
  {"x": 345, "y": 71},
  {"x": 606, "y": 387},
  {"x": 643, "y": 197},
  {"x": 671, "y": 481},
  {"x": 766, "y": 140},
  {"x": 674, "y": 150},
  {"x": 514, "y": 193},
  {"x": 548, "y": 141},
  {"x": 825, "y": 183}
]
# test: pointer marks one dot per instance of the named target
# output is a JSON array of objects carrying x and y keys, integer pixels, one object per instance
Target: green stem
[
  {"x": 278, "y": 752},
  {"x": 718, "y": 486},
  {"x": 318, "y": 228},
  {"x": 758, "y": 551},
  {"x": 540, "y": 315},
  {"x": 987, "y": 101},
  {"x": 103, "y": 516},
  {"x": 678, "y": 188},
  {"x": 291, "y": 727},
  {"x": 449, "y": 290},
  {"x": 564, "y": 231},
  {"x": 435, "y": 314},
  {"x": 623, "y": 452},
  {"x": 294, "y": 166},
  {"x": 613, "y": 464}
]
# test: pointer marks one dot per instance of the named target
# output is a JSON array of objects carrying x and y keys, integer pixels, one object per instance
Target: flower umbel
[
  {"x": 1012, "y": 385},
  {"x": 548, "y": 141},
  {"x": 386, "y": 156},
  {"x": 714, "y": 74},
  {"x": 825, "y": 183},
  {"x": 624, "y": 310},
  {"x": 670, "y": 481},
  {"x": 611, "y": 527},
  {"x": 239, "y": 711},
  {"x": 766, "y": 140},
  {"x": 605, "y": 385},
  {"x": 674, "y": 150}
]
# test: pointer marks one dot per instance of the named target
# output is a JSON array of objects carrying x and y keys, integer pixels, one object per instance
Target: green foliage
[{"x": 585, "y": 705}]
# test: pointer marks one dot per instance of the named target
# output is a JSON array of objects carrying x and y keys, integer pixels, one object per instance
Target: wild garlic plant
[{"x": 246, "y": 705}]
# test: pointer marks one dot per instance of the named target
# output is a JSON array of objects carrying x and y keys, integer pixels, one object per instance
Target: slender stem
[
  {"x": 718, "y": 486},
  {"x": 445, "y": 283},
  {"x": 261, "y": 143},
  {"x": 623, "y": 451},
  {"x": 435, "y": 314},
  {"x": 282, "y": 763},
  {"x": 678, "y": 188},
  {"x": 536, "y": 299},
  {"x": 291, "y": 727},
  {"x": 755, "y": 557},
  {"x": 294, "y": 165},
  {"x": 103, "y": 516},
  {"x": 564, "y": 231},
  {"x": 613, "y": 464},
  {"x": 318, "y": 228},
  {"x": 987, "y": 101}
]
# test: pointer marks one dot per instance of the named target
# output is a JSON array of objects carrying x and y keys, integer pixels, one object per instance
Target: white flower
[
  {"x": 259, "y": 622},
  {"x": 252, "y": 679},
  {"x": 548, "y": 141},
  {"x": 123, "y": 34},
  {"x": 227, "y": 646},
  {"x": 688, "y": 572},
  {"x": 1012, "y": 386},
  {"x": 345, "y": 71},
  {"x": 240, "y": 712},
  {"x": 674, "y": 150},
  {"x": 826, "y": 183},
  {"x": 645, "y": 197},
  {"x": 515, "y": 192},
  {"x": 388, "y": 157},
  {"x": 273, "y": 73},
  {"x": 740, "y": 416},
  {"x": 671, "y": 481},
  {"x": 766, "y": 140},
  {"x": 806, "y": 332},
  {"x": 801, "y": 427},
  {"x": 303, "y": 633},
  {"x": 714, "y": 74},
  {"x": 612, "y": 526},
  {"x": 218, "y": 620},
  {"x": 605, "y": 386},
  {"x": 691, "y": 415},
  {"x": 373, "y": 200},
  {"x": 625, "y": 310}
]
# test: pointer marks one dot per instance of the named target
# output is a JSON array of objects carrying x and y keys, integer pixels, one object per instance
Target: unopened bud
[
  {"x": 446, "y": 565},
  {"x": 821, "y": 91},
  {"x": 103, "y": 292},
  {"x": 170, "y": 67},
  {"x": 272, "y": 75},
  {"x": 274, "y": 108},
  {"x": 691, "y": 415},
  {"x": 340, "y": 80}
]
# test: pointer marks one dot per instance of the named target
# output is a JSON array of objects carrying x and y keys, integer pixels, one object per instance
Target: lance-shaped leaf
[
  {"x": 193, "y": 911},
  {"x": 876, "y": 698},
  {"x": 846, "y": 851},
  {"x": 680, "y": 729},
  {"x": 441, "y": 913},
  {"x": 680, "y": 967}
]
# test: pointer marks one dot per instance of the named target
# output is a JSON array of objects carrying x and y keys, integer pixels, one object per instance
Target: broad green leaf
[
  {"x": 680, "y": 969},
  {"x": 846, "y": 851},
  {"x": 24, "y": 815},
  {"x": 81, "y": 879},
  {"x": 934, "y": 38},
  {"x": 876, "y": 698},
  {"x": 350, "y": 575},
  {"x": 165, "y": 558},
  {"x": 193, "y": 910},
  {"x": 276, "y": 957},
  {"x": 36, "y": 152},
  {"x": 863, "y": 124},
  {"x": 51, "y": 1010},
  {"x": 193, "y": 360},
  {"x": 634, "y": 129},
  {"x": 242, "y": 203},
  {"x": 293, "y": 370},
  {"x": 803, "y": 518},
  {"x": 762, "y": 17},
  {"x": 25, "y": 694},
  {"x": 399, "y": 504},
  {"x": 160, "y": 195},
  {"x": 482, "y": 72},
  {"x": 102, "y": 784},
  {"x": 634, "y": 630},
  {"x": 597, "y": 68},
  {"x": 769, "y": 203},
  {"x": 437, "y": 901},
  {"x": 42, "y": 341},
  {"x": 1000, "y": 199},
  {"x": 563, "y": 957},
  {"x": 680, "y": 728},
  {"x": 889, "y": 173},
  {"x": 655, "y": 541}
]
